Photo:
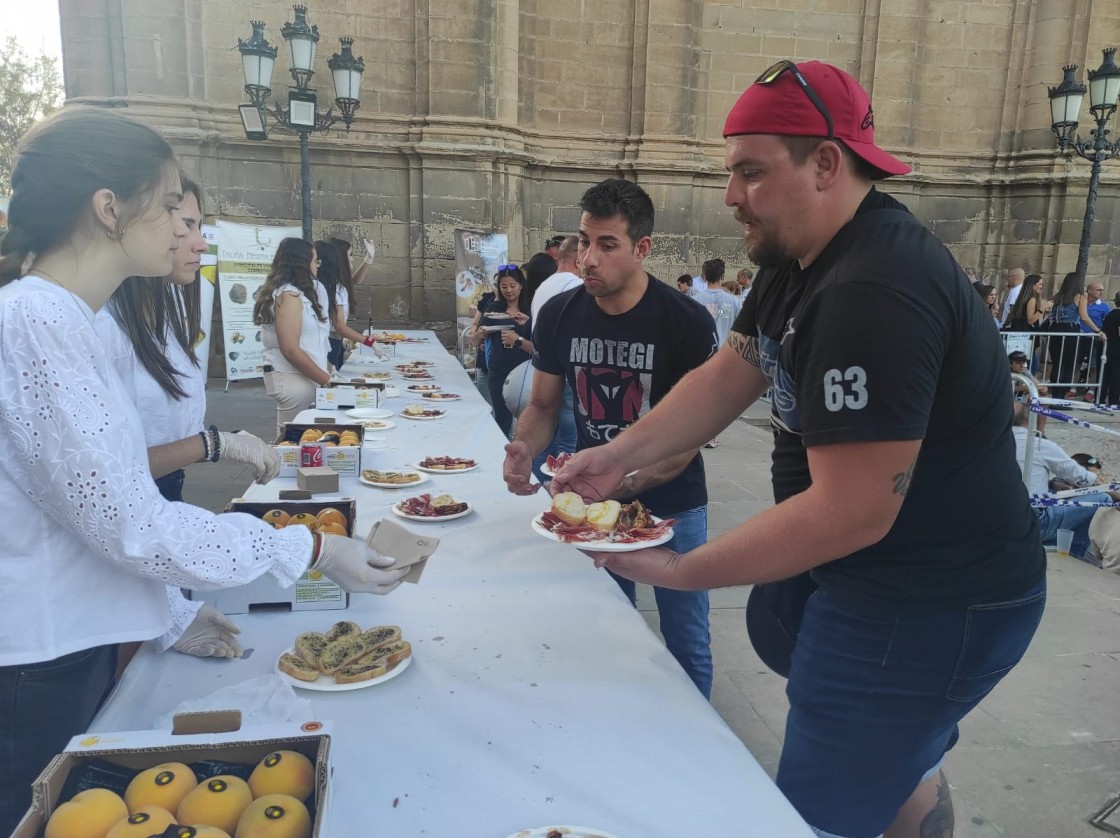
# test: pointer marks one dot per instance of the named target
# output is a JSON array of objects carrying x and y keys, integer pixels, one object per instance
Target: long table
[{"x": 537, "y": 695}]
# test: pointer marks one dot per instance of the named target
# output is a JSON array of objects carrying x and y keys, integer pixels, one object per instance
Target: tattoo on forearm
[
  {"x": 939, "y": 821},
  {"x": 745, "y": 347},
  {"x": 903, "y": 479}
]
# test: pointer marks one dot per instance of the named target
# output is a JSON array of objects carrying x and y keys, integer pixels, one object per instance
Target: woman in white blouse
[
  {"x": 95, "y": 199},
  {"x": 291, "y": 310}
]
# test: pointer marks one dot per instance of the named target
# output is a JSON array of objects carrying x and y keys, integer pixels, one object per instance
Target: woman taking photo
[
  {"x": 291, "y": 310},
  {"x": 340, "y": 300},
  {"x": 508, "y": 347},
  {"x": 95, "y": 198}
]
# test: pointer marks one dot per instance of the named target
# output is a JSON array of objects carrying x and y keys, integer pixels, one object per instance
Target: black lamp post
[
  {"x": 302, "y": 116},
  {"x": 1065, "y": 103}
]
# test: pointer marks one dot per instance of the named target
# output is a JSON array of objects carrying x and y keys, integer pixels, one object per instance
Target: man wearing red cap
[{"x": 914, "y": 573}]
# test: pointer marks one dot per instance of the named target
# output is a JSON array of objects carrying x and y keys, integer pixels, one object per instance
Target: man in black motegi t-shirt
[
  {"x": 894, "y": 464},
  {"x": 621, "y": 341}
]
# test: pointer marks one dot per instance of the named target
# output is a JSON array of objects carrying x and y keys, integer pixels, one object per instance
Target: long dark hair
[
  {"x": 539, "y": 268},
  {"x": 290, "y": 266},
  {"x": 332, "y": 275},
  {"x": 61, "y": 162},
  {"x": 146, "y": 308},
  {"x": 514, "y": 273},
  {"x": 1071, "y": 287},
  {"x": 1019, "y": 310}
]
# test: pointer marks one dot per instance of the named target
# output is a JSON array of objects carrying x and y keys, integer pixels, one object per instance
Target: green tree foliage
[{"x": 30, "y": 88}]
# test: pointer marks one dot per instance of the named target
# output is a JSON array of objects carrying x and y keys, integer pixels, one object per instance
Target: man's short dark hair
[
  {"x": 616, "y": 196},
  {"x": 712, "y": 270},
  {"x": 684, "y": 279},
  {"x": 801, "y": 147}
]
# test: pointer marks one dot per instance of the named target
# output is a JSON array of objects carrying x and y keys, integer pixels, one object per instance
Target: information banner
[
  {"x": 245, "y": 253},
  {"x": 477, "y": 257},
  {"x": 207, "y": 280}
]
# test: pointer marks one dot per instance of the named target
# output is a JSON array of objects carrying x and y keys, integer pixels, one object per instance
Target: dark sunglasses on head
[
  {"x": 506, "y": 268},
  {"x": 774, "y": 72}
]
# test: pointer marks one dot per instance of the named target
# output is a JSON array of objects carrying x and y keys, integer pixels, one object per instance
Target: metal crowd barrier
[{"x": 1062, "y": 361}]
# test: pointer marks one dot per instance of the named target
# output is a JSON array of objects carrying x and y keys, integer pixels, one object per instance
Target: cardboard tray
[
  {"x": 345, "y": 459},
  {"x": 196, "y": 737}
]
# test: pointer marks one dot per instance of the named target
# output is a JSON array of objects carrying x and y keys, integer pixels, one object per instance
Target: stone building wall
[{"x": 497, "y": 114}]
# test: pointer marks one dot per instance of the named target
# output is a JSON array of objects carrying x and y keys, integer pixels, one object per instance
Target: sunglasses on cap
[
  {"x": 774, "y": 72},
  {"x": 506, "y": 268}
]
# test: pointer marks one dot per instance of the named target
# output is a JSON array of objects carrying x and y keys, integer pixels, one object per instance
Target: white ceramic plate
[
  {"x": 377, "y": 376},
  {"x": 423, "y": 388},
  {"x": 378, "y": 424},
  {"x": 565, "y": 831},
  {"x": 326, "y": 683},
  {"x": 442, "y": 413},
  {"x": 603, "y": 546},
  {"x": 369, "y": 413},
  {"x": 503, "y": 327},
  {"x": 439, "y": 396},
  {"x": 430, "y": 518},
  {"x": 497, "y": 315},
  {"x": 419, "y": 467},
  {"x": 423, "y": 478}
]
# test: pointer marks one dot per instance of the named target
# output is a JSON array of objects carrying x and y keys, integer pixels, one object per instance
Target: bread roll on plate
[
  {"x": 604, "y": 515},
  {"x": 569, "y": 508}
]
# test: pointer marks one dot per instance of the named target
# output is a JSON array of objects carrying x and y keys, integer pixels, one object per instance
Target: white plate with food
[
  {"x": 441, "y": 397},
  {"x": 420, "y": 413},
  {"x": 378, "y": 424},
  {"x": 326, "y": 683},
  {"x": 446, "y": 465},
  {"x": 392, "y": 478},
  {"x": 503, "y": 327},
  {"x": 369, "y": 413},
  {"x": 420, "y": 375},
  {"x": 373, "y": 377},
  {"x": 562, "y": 832},
  {"x": 423, "y": 388},
  {"x": 551, "y": 464},
  {"x": 497, "y": 315},
  {"x": 413, "y": 366},
  {"x": 607, "y": 526},
  {"x": 431, "y": 509}
]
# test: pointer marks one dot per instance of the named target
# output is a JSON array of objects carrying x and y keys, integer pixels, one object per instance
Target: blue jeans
[
  {"x": 875, "y": 699},
  {"x": 43, "y": 705},
  {"x": 564, "y": 439},
  {"x": 1076, "y": 518},
  {"x": 171, "y": 485},
  {"x": 684, "y": 614}
]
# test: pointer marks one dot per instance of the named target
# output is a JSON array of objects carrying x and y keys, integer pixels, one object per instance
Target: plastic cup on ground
[{"x": 1065, "y": 541}]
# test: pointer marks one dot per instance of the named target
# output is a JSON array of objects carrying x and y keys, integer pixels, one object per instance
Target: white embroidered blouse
[{"x": 91, "y": 545}]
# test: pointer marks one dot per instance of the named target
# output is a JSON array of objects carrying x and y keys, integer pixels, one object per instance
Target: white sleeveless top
[{"x": 313, "y": 335}]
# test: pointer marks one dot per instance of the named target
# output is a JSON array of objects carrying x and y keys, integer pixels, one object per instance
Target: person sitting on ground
[
  {"x": 1104, "y": 530},
  {"x": 1017, "y": 360},
  {"x": 1049, "y": 460}
]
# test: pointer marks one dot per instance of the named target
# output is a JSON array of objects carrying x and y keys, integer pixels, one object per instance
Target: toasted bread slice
[
  {"x": 339, "y": 653},
  {"x": 356, "y": 672},
  {"x": 393, "y": 653},
  {"x": 309, "y": 646},
  {"x": 343, "y": 628},
  {"x": 569, "y": 508},
  {"x": 380, "y": 635},
  {"x": 604, "y": 515},
  {"x": 298, "y": 668}
]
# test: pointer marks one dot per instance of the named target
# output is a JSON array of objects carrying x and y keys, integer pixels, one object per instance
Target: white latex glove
[
  {"x": 243, "y": 447},
  {"x": 210, "y": 635},
  {"x": 357, "y": 567},
  {"x": 371, "y": 251}
]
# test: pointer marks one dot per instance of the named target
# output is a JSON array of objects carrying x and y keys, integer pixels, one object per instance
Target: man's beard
[{"x": 765, "y": 253}]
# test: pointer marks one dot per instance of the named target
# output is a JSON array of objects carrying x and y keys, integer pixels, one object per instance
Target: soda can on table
[{"x": 311, "y": 454}]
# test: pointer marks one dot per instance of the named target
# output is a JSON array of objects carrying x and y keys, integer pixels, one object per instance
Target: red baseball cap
[{"x": 783, "y": 107}]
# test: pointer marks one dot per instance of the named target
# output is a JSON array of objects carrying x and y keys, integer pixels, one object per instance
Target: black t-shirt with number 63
[{"x": 883, "y": 339}]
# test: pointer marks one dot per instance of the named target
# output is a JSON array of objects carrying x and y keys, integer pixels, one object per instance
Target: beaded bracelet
[
  {"x": 205, "y": 447},
  {"x": 216, "y": 454}
]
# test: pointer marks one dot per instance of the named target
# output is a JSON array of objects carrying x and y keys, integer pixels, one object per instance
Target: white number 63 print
[{"x": 845, "y": 389}]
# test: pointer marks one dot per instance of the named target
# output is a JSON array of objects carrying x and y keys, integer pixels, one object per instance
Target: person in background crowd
[
  {"x": 684, "y": 284},
  {"x": 565, "y": 279},
  {"x": 1110, "y": 382},
  {"x": 886, "y": 386},
  {"x": 1017, "y": 361},
  {"x": 505, "y": 348},
  {"x": 1049, "y": 461},
  {"x": 95, "y": 199},
  {"x": 721, "y": 303},
  {"x": 733, "y": 288},
  {"x": 1096, "y": 310},
  {"x": 355, "y": 275},
  {"x": 1014, "y": 282},
  {"x": 1104, "y": 529},
  {"x": 1068, "y": 313},
  {"x": 552, "y": 247},
  {"x": 971, "y": 274},
  {"x": 291, "y": 310},
  {"x": 1026, "y": 314},
  {"x": 988, "y": 295},
  {"x": 538, "y": 269},
  {"x": 621, "y": 340},
  {"x": 745, "y": 279},
  {"x": 333, "y": 276}
]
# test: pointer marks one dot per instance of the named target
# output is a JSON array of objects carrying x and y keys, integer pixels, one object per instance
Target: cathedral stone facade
[{"x": 497, "y": 114}]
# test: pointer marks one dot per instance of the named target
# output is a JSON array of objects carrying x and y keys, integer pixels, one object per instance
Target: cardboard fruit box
[
  {"x": 196, "y": 738},
  {"x": 357, "y": 393},
  {"x": 311, "y": 592},
  {"x": 345, "y": 459}
]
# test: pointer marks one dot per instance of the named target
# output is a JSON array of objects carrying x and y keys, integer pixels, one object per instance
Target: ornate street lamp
[
  {"x": 1065, "y": 104},
  {"x": 302, "y": 115}
]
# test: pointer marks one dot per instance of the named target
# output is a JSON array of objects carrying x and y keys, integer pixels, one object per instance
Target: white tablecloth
[{"x": 537, "y": 694}]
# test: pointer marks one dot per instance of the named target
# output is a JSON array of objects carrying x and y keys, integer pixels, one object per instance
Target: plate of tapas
[
  {"x": 397, "y": 478},
  {"x": 423, "y": 388},
  {"x": 551, "y": 464},
  {"x": 431, "y": 509},
  {"x": 417, "y": 375},
  {"x": 423, "y": 414},
  {"x": 440, "y": 396},
  {"x": 562, "y": 832},
  {"x": 607, "y": 526},
  {"x": 378, "y": 424},
  {"x": 446, "y": 465}
]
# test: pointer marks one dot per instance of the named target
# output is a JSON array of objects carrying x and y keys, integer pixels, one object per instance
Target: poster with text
[
  {"x": 207, "y": 280},
  {"x": 245, "y": 253},
  {"x": 477, "y": 256}
]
